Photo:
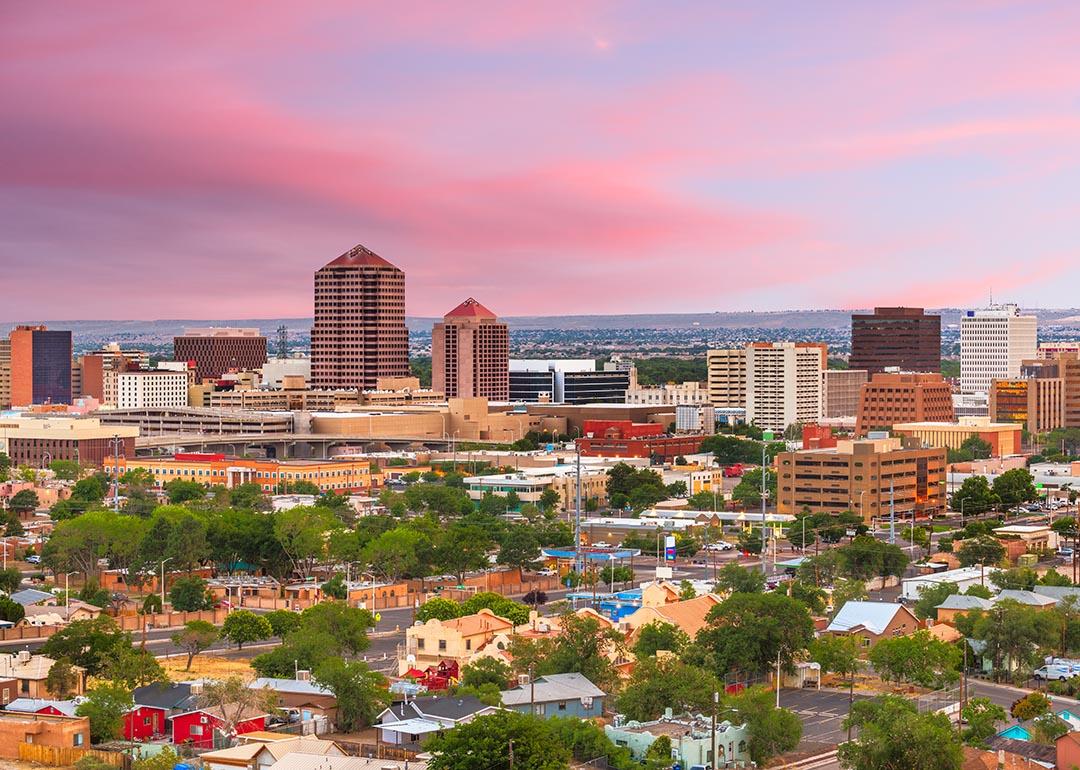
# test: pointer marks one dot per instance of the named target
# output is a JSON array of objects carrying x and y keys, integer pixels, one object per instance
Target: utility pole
[
  {"x": 511, "y": 755},
  {"x": 712, "y": 741},
  {"x": 577, "y": 514},
  {"x": 892, "y": 513},
  {"x": 778, "y": 678},
  {"x": 764, "y": 498},
  {"x": 532, "y": 691}
]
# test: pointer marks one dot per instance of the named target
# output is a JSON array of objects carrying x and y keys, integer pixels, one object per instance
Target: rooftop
[
  {"x": 359, "y": 256},
  {"x": 470, "y": 308},
  {"x": 873, "y": 616}
]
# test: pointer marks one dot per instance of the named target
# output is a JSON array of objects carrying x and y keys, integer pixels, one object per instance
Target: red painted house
[
  {"x": 197, "y": 728},
  {"x": 145, "y": 722}
]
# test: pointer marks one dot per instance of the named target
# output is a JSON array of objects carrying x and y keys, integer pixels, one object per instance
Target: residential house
[
  {"x": 977, "y": 759},
  {"x": 556, "y": 695},
  {"x": 155, "y": 705},
  {"x": 873, "y": 621},
  {"x": 956, "y": 604},
  {"x": 260, "y": 755},
  {"x": 29, "y": 597},
  {"x": 1027, "y": 598},
  {"x": 45, "y": 706},
  {"x": 60, "y": 614},
  {"x": 690, "y": 735},
  {"x": 198, "y": 727},
  {"x": 1067, "y": 750},
  {"x": 458, "y": 640},
  {"x": 310, "y": 700},
  {"x": 31, "y": 671},
  {"x": 1059, "y": 593},
  {"x": 42, "y": 730},
  {"x": 689, "y": 615},
  {"x": 408, "y": 725}
]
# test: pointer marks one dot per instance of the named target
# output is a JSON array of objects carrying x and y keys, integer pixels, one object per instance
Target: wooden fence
[{"x": 65, "y": 756}]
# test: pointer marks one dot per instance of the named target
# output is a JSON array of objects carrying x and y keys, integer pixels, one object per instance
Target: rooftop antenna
[{"x": 282, "y": 342}]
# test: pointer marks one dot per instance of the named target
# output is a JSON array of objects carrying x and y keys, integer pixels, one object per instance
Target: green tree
[
  {"x": 24, "y": 501},
  {"x": 166, "y": 759},
  {"x": 746, "y": 632},
  {"x": 194, "y": 637},
  {"x": 983, "y": 550},
  {"x": 360, "y": 692},
  {"x": 441, "y": 609},
  {"x": 180, "y": 491},
  {"x": 771, "y": 730},
  {"x": 549, "y": 498},
  {"x": 659, "y": 684},
  {"x": 847, "y": 591},
  {"x": 10, "y": 579},
  {"x": 519, "y": 548},
  {"x": 336, "y": 588},
  {"x": 931, "y": 596},
  {"x": 1012, "y": 633},
  {"x": 807, "y": 593},
  {"x": 1047, "y": 728},
  {"x": 10, "y": 610},
  {"x": 485, "y": 743},
  {"x": 282, "y": 622},
  {"x": 244, "y": 626},
  {"x": 65, "y": 470},
  {"x": 981, "y": 718},
  {"x": 748, "y": 490},
  {"x": 462, "y": 547},
  {"x": 1032, "y": 705},
  {"x": 398, "y": 553},
  {"x": 582, "y": 648},
  {"x": 918, "y": 658},
  {"x": 131, "y": 667},
  {"x": 1014, "y": 487},
  {"x": 892, "y": 734},
  {"x": 63, "y": 680},
  {"x": 734, "y": 578},
  {"x": 866, "y": 557},
  {"x": 486, "y": 670},
  {"x": 87, "y": 643},
  {"x": 105, "y": 705},
  {"x": 659, "y": 752},
  {"x": 658, "y": 635},
  {"x": 189, "y": 594},
  {"x": 303, "y": 532},
  {"x": 588, "y": 742},
  {"x": 1016, "y": 579},
  {"x": 974, "y": 496}
]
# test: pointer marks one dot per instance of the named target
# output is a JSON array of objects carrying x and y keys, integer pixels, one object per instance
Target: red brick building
[
  {"x": 470, "y": 354},
  {"x": 217, "y": 351},
  {"x": 622, "y": 438},
  {"x": 891, "y": 398},
  {"x": 359, "y": 333}
]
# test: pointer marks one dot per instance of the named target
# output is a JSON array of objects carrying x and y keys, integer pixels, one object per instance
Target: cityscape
[{"x": 358, "y": 414}]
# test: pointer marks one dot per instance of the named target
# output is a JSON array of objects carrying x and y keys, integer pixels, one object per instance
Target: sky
[{"x": 202, "y": 160}]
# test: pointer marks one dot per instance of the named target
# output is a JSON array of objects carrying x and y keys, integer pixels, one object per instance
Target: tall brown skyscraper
[
  {"x": 470, "y": 354},
  {"x": 359, "y": 333},
  {"x": 904, "y": 337}
]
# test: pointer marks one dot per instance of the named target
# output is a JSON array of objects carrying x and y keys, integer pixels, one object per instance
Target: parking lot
[{"x": 821, "y": 713}]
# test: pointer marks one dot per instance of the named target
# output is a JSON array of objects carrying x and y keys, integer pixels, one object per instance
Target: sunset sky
[{"x": 201, "y": 160}]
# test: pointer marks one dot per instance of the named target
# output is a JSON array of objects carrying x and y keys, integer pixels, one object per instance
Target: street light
[{"x": 163, "y": 582}]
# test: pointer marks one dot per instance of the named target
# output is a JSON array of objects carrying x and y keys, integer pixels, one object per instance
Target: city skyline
[{"x": 167, "y": 163}]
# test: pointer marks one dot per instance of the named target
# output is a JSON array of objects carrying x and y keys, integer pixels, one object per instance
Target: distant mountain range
[{"x": 162, "y": 331}]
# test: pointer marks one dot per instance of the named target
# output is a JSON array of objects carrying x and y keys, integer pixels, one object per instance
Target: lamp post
[{"x": 163, "y": 582}]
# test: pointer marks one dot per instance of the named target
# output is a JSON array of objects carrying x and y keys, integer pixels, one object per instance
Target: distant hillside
[{"x": 163, "y": 331}]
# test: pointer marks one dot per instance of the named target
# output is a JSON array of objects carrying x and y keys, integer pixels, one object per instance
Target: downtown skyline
[{"x": 161, "y": 162}]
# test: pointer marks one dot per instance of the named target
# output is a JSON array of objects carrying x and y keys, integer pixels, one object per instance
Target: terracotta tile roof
[
  {"x": 976, "y": 759},
  {"x": 944, "y": 632},
  {"x": 689, "y": 615}
]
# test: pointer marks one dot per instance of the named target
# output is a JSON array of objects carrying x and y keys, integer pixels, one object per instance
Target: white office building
[
  {"x": 993, "y": 344},
  {"x": 151, "y": 389}
]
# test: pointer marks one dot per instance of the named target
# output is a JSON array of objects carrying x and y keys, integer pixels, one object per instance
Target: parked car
[
  {"x": 601, "y": 544},
  {"x": 1055, "y": 672},
  {"x": 1065, "y": 553},
  {"x": 35, "y": 559},
  {"x": 722, "y": 545},
  {"x": 547, "y": 572}
]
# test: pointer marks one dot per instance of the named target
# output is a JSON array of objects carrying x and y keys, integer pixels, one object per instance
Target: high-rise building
[
  {"x": 40, "y": 366},
  {"x": 219, "y": 350},
  {"x": 359, "y": 333},
  {"x": 1036, "y": 399},
  {"x": 994, "y": 343},
  {"x": 470, "y": 354},
  {"x": 5, "y": 373},
  {"x": 841, "y": 391},
  {"x": 902, "y": 337},
  {"x": 778, "y": 383},
  {"x": 894, "y": 397},
  {"x": 151, "y": 389},
  {"x": 870, "y": 477}
]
